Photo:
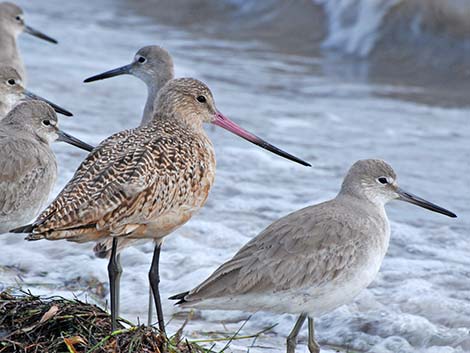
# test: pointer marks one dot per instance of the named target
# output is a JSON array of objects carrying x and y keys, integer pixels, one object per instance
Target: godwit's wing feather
[
  {"x": 122, "y": 184},
  {"x": 306, "y": 248},
  {"x": 73, "y": 196}
]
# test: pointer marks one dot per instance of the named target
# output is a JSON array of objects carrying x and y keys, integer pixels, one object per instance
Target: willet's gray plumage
[
  {"x": 144, "y": 183},
  {"x": 12, "y": 24},
  {"x": 12, "y": 91},
  {"x": 28, "y": 166},
  {"x": 313, "y": 260},
  {"x": 153, "y": 65}
]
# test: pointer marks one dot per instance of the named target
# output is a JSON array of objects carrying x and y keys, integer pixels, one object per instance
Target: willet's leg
[
  {"x": 114, "y": 273},
  {"x": 313, "y": 346},
  {"x": 150, "y": 308},
  {"x": 292, "y": 338},
  {"x": 154, "y": 278}
]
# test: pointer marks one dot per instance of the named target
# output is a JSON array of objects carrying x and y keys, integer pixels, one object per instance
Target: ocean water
[{"x": 328, "y": 108}]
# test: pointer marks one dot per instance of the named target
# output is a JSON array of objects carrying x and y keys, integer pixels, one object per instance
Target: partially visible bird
[
  {"x": 313, "y": 260},
  {"x": 12, "y": 91},
  {"x": 154, "y": 66},
  {"x": 28, "y": 167},
  {"x": 12, "y": 24},
  {"x": 144, "y": 183}
]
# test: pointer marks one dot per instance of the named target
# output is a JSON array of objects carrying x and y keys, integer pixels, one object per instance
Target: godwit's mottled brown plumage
[{"x": 144, "y": 182}]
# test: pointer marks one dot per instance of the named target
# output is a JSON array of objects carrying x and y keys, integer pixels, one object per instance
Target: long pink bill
[{"x": 226, "y": 123}]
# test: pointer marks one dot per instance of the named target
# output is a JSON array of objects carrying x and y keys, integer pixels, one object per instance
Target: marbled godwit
[
  {"x": 11, "y": 25},
  {"x": 28, "y": 166},
  {"x": 153, "y": 65},
  {"x": 145, "y": 182},
  {"x": 12, "y": 91},
  {"x": 315, "y": 259}
]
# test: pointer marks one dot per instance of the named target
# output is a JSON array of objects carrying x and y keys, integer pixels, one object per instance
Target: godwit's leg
[
  {"x": 313, "y": 346},
  {"x": 154, "y": 278},
  {"x": 114, "y": 272},
  {"x": 292, "y": 338},
  {"x": 150, "y": 308}
]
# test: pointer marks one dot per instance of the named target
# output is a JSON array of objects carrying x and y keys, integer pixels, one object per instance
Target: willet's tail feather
[{"x": 179, "y": 297}]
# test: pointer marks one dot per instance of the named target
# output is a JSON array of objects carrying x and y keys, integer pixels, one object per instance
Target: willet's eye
[
  {"x": 46, "y": 122},
  {"x": 201, "y": 99},
  {"x": 18, "y": 18},
  {"x": 141, "y": 60},
  {"x": 11, "y": 82},
  {"x": 383, "y": 180}
]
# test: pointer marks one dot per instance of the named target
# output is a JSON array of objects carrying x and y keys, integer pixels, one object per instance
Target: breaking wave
[{"x": 399, "y": 29}]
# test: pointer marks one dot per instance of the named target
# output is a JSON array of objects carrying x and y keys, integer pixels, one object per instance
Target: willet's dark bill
[
  {"x": 313, "y": 260},
  {"x": 143, "y": 183},
  {"x": 29, "y": 167}
]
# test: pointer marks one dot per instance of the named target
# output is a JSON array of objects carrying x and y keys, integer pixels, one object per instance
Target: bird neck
[
  {"x": 154, "y": 84},
  {"x": 361, "y": 198},
  {"x": 8, "y": 42},
  {"x": 152, "y": 91},
  {"x": 4, "y": 109}
]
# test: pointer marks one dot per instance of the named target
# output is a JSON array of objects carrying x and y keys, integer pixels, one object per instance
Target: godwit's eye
[
  {"x": 201, "y": 99},
  {"x": 46, "y": 122},
  {"x": 18, "y": 18},
  {"x": 382, "y": 180},
  {"x": 11, "y": 82},
  {"x": 141, "y": 59}
]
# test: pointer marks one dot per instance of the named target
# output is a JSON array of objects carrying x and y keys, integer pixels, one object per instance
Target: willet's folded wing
[
  {"x": 20, "y": 174},
  {"x": 299, "y": 250}
]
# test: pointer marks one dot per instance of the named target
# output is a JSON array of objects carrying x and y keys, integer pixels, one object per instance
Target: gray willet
[
  {"x": 12, "y": 24},
  {"x": 153, "y": 65},
  {"x": 313, "y": 260},
  {"x": 28, "y": 166},
  {"x": 144, "y": 183},
  {"x": 12, "y": 91}
]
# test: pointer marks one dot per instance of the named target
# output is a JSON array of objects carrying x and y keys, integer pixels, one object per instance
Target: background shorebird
[
  {"x": 12, "y": 24},
  {"x": 315, "y": 259},
  {"x": 145, "y": 182},
  {"x": 12, "y": 91},
  {"x": 154, "y": 66},
  {"x": 29, "y": 167}
]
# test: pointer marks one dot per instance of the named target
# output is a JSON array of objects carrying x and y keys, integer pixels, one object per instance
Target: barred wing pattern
[{"x": 130, "y": 179}]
